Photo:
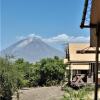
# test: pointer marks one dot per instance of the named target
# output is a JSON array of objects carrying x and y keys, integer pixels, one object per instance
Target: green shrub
[
  {"x": 18, "y": 74},
  {"x": 81, "y": 94},
  {"x": 45, "y": 72},
  {"x": 51, "y": 71},
  {"x": 8, "y": 79}
]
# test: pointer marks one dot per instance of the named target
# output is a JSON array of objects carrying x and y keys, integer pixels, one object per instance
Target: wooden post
[
  {"x": 97, "y": 61},
  {"x": 69, "y": 76}
]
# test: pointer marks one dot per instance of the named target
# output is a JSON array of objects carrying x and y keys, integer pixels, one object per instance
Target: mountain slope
[{"x": 31, "y": 49}]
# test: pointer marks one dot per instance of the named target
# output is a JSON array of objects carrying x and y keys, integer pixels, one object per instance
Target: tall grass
[{"x": 81, "y": 94}]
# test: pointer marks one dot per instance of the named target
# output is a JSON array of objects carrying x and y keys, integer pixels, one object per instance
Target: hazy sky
[{"x": 48, "y": 19}]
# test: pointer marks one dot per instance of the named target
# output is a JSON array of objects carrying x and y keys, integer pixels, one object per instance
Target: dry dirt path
[{"x": 41, "y": 93}]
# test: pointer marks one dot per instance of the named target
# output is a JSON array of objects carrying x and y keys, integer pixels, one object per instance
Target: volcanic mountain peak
[
  {"x": 27, "y": 41},
  {"x": 31, "y": 49}
]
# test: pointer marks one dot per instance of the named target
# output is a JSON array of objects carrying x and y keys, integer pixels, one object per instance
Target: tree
[
  {"x": 18, "y": 74},
  {"x": 8, "y": 78},
  {"x": 51, "y": 71},
  {"x": 11, "y": 79}
]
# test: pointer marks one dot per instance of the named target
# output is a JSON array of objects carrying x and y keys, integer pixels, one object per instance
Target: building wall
[{"x": 74, "y": 56}]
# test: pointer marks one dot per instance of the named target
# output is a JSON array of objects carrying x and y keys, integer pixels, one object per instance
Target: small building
[{"x": 80, "y": 58}]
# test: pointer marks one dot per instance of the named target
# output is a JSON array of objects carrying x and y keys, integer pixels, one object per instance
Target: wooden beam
[{"x": 86, "y": 51}]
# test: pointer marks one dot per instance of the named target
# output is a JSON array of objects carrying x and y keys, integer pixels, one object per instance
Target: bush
[
  {"x": 51, "y": 71},
  {"x": 18, "y": 74},
  {"x": 46, "y": 72},
  {"x": 11, "y": 78},
  {"x": 8, "y": 79},
  {"x": 81, "y": 94}
]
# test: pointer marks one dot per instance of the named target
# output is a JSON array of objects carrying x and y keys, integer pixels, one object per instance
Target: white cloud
[
  {"x": 20, "y": 38},
  {"x": 79, "y": 39},
  {"x": 64, "y": 38},
  {"x": 59, "y": 39},
  {"x": 34, "y": 35}
]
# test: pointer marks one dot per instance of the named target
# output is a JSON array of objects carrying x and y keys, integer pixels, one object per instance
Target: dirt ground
[
  {"x": 44, "y": 93},
  {"x": 41, "y": 93}
]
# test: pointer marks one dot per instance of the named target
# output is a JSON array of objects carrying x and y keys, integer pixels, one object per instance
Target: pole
[{"x": 97, "y": 62}]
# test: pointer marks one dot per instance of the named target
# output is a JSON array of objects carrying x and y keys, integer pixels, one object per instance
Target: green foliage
[
  {"x": 18, "y": 74},
  {"x": 51, "y": 71},
  {"x": 81, "y": 94},
  {"x": 7, "y": 82},
  {"x": 47, "y": 72}
]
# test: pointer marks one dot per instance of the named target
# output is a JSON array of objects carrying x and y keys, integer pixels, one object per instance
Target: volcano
[{"x": 31, "y": 49}]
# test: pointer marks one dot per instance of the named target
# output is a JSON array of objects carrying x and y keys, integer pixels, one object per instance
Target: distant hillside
[{"x": 31, "y": 49}]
